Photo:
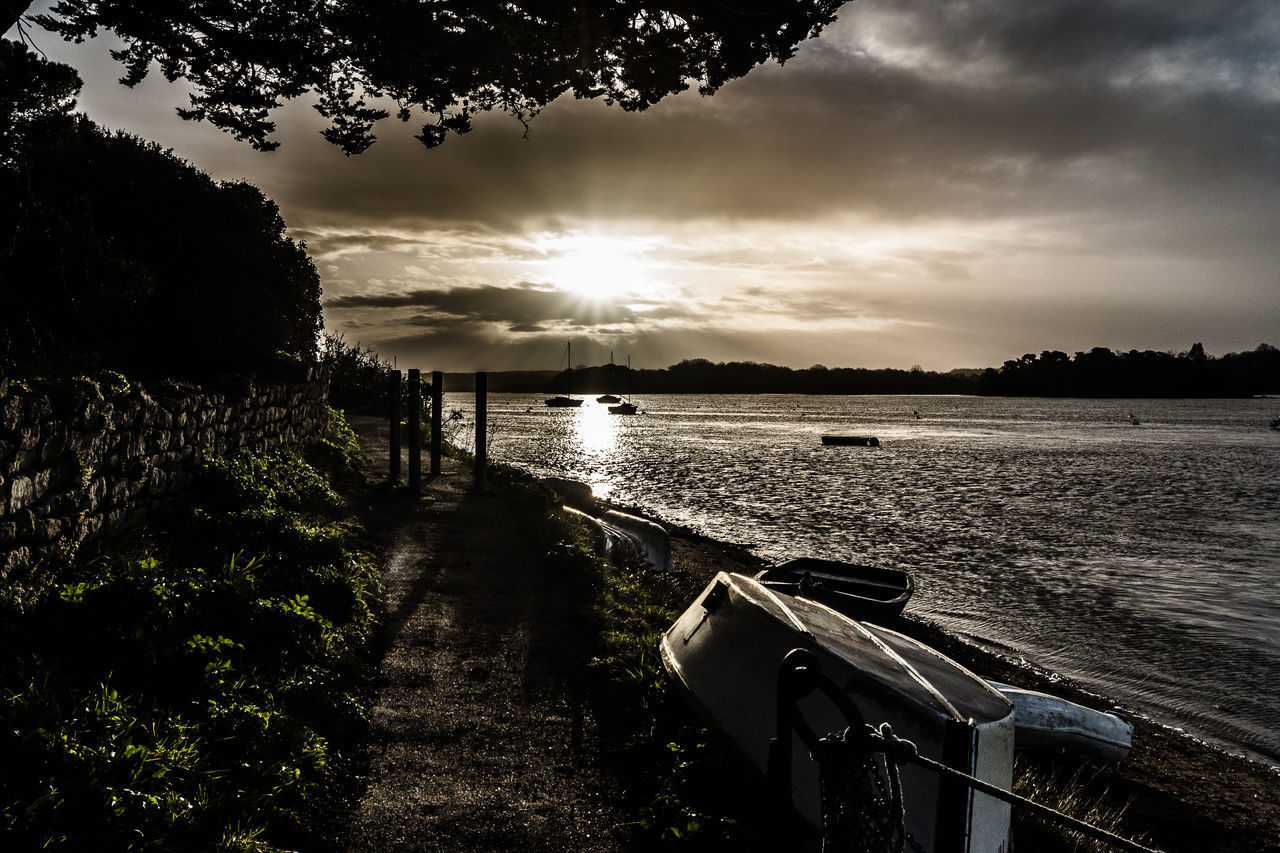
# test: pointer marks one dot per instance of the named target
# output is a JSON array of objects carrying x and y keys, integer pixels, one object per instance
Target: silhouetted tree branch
[{"x": 449, "y": 59}]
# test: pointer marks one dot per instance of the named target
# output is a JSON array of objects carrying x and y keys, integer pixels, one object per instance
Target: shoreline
[{"x": 1180, "y": 793}]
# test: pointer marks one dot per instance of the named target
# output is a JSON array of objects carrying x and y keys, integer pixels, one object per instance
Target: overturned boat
[
  {"x": 869, "y": 593},
  {"x": 727, "y": 651},
  {"x": 1051, "y": 723},
  {"x": 639, "y": 539}
]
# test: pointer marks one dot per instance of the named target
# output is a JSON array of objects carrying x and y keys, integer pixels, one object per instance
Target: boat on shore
[
  {"x": 851, "y": 440},
  {"x": 567, "y": 400},
  {"x": 1050, "y": 723},
  {"x": 871, "y": 593},
  {"x": 726, "y": 654}
]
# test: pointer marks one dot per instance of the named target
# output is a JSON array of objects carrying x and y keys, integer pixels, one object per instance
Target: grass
[{"x": 185, "y": 690}]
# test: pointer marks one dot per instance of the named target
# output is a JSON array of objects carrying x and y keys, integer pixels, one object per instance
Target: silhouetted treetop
[
  {"x": 1103, "y": 373},
  {"x": 449, "y": 58},
  {"x": 117, "y": 254},
  {"x": 36, "y": 96}
]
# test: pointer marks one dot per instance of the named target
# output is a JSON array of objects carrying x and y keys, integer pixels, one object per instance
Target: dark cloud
[{"x": 510, "y": 306}]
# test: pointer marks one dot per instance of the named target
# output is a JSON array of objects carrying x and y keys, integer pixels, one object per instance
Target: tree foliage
[
  {"x": 1103, "y": 373},
  {"x": 118, "y": 254},
  {"x": 448, "y": 59}
]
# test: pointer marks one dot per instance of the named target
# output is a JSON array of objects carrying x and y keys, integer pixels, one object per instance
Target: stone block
[
  {"x": 47, "y": 529},
  {"x": 25, "y": 521},
  {"x": 21, "y": 493},
  {"x": 12, "y": 412}
]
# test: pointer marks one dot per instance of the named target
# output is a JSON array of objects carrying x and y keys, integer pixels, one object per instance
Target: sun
[{"x": 596, "y": 266}]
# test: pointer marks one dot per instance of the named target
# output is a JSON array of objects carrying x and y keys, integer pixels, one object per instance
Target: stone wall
[{"x": 78, "y": 457}]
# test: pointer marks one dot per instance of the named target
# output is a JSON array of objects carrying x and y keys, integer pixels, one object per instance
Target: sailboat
[
  {"x": 566, "y": 401},
  {"x": 609, "y": 398},
  {"x": 627, "y": 408}
]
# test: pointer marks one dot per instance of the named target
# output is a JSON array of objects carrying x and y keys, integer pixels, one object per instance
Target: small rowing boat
[
  {"x": 852, "y": 440},
  {"x": 725, "y": 651},
  {"x": 859, "y": 592},
  {"x": 1046, "y": 722}
]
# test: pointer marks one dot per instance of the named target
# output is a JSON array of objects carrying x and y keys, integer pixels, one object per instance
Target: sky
[{"x": 943, "y": 185}]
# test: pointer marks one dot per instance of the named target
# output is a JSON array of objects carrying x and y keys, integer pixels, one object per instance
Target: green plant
[{"x": 189, "y": 696}]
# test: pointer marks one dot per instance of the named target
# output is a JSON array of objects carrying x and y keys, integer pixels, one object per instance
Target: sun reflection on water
[{"x": 596, "y": 434}]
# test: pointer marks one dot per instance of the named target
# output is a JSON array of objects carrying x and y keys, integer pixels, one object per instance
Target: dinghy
[
  {"x": 851, "y": 440},
  {"x": 1046, "y": 722},
  {"x": 725, "y": 651},
  {"x": 859, "y": 592},
  {"x": 644, "y": 541}
]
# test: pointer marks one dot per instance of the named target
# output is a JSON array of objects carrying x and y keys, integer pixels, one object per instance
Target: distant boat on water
[
  {"x": 627, "y": 408},
  {"x": 608, "y": 397},
  {"x": 852, "y": 440},
  {"x": 567, "y": 400}
]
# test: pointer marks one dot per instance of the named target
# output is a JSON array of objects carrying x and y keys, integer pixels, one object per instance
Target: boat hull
[
  {"x": 563, "y": 402},
  {"x": 870, "y": 593},
  {"x": 851, "y": 440},
  {"x": 724, "y": 653},
  {"x": 1046, "y": 722}
]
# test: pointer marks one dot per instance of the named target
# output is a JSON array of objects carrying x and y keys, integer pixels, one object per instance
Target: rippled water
[{"x": 1140, "y": 560}]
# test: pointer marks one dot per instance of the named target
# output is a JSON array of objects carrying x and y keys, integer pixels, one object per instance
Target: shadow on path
[{"x": 479, "y": 735}]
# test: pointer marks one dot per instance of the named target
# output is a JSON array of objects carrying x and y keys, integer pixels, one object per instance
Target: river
[{"x": 1141, "y": 560}]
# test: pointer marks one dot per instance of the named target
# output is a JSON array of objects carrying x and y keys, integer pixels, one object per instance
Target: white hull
[
  {"x": 725, "y": 650},
  {"x": 1051, "y": 722}
]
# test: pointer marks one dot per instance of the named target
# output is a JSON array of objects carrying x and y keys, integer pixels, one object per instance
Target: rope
[
  {"x": 861, "y": 798},
  {"x": 902, "y": 751}
]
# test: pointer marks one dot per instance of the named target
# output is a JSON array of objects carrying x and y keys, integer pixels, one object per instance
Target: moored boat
[
  {"x": 724, "y": 653},
  {"x": 627, "y": 408},
  {"x": 860, "y": 592},
  {"x": 566, "y": 401},
  {"x": 851, "y": 440}
]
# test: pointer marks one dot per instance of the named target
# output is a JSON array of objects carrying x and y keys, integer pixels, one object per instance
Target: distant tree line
[
  {"x": 117, "y": 254},
  {"x": 1103, "y": 373},
  {"x": 700, "y": 376},
  {"x": 1096, "y": 373}
]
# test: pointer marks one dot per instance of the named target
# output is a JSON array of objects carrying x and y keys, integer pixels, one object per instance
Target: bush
[{"x": 188, "y": 697}]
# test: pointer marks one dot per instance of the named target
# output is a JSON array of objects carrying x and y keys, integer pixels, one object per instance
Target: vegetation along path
[{"x": 480, "y": 739}]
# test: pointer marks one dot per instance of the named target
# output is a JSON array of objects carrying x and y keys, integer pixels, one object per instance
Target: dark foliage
[
  {"x": 118, "y": 254},
  {"x": 447, "y": 59},
  {"x": 359, "y": 379},
  {"x": 1103, "y": 373},
  {"x": 191, "y": 695}
]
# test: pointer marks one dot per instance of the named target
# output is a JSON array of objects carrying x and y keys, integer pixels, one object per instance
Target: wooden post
[
  {"x": 482, "y": 430},
  {"x": 415, "y": 431},
  {"x": 437, "y": 418},
  {"x": 394, "y": 414}
]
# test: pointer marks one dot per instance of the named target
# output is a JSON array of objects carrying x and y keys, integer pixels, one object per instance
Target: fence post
[
  {"x": 394, "y": 415},
  {"x": 437, "y": 418},
  {"x": 482, "y": 430},
  {"x": 415, "y": 431}
]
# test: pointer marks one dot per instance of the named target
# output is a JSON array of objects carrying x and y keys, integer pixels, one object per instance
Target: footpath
[{"x": 480, "y": 738}]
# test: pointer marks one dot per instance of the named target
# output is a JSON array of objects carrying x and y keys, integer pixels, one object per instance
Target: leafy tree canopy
[
  {"x": 118, "y": 254},
  {"x": 449, "y": 58}
]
